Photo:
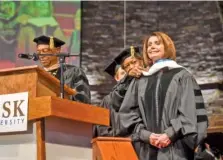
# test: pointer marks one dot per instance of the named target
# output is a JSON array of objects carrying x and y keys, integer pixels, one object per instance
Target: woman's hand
[
  {"x": 159, "y": 140},
  {"x": 163, "y": 141},
  {"x": 153, "y": 139}
]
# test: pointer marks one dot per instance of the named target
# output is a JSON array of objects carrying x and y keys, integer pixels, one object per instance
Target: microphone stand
[{"x": 62, "y": 57}]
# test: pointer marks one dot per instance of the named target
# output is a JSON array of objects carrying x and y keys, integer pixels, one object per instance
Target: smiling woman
[
  {"x": 164, "y": 109},
  {"x": 156, "y": 46}
]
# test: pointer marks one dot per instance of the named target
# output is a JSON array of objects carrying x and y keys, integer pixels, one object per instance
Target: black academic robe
[
  {"x": 76, "y": 79},
  {"x": 112, "y": 101},
  {"x": 168, "y": 101}
]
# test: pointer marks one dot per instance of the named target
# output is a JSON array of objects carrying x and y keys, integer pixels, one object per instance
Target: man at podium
[{"x": 74, "y": 77}]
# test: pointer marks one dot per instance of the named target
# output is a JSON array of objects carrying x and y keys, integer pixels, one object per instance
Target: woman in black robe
[{"x": 164, "y": 109}]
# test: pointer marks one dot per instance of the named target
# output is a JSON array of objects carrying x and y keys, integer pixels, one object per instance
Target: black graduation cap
[
  {"x": 51, "y": 41},
  {"x": 127, "y": 53},
  {"x": 112, "y": 68}
]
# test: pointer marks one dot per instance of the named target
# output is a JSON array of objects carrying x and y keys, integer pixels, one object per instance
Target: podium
[
  {"x": 114, "y": 148},
  {"x": 58, "y": 129}
]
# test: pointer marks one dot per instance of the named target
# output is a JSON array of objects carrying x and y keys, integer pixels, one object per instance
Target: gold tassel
[
  {"x": 132, "y": 49},
  {"x": 51, "y": 43}
]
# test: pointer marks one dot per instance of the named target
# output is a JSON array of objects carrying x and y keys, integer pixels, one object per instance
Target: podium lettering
[
  {"x": 17, "y": 112},
  {"x": 17, "y": 108},
  {"x": 6, "y": 109}
]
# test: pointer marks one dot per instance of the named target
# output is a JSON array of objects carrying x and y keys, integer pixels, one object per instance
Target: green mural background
[{"x": 21, "y": 21}]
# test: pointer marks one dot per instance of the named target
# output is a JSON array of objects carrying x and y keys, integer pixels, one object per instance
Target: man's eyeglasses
[{"x": 44, "y": 50}]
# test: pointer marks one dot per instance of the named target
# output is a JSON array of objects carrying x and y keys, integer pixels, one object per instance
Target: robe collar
[{"x": 171, "y": 64}]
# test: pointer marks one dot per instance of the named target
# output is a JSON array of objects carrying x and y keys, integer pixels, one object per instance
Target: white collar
[{"x": 171, "y": 64}]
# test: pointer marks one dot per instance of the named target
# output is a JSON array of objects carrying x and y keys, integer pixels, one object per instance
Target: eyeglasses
[{"x": 44, "y": 50}]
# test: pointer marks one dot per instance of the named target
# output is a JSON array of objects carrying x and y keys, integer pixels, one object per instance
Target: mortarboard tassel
[
  {"x": 51, "y": 43},
  {"x": 132, "y": 50}
]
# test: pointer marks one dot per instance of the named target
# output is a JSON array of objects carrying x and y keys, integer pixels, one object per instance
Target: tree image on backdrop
[{"x": 21, "y": 21}]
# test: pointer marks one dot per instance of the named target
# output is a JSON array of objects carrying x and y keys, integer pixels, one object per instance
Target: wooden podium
[
  {"x": 113, "y": 148},
  {"x": 58, "y": 129}
]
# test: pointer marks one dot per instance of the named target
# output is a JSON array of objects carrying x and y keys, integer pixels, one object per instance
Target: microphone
[{"x": 34, "y": 56}]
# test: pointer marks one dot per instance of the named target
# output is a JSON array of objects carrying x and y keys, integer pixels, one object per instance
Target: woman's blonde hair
[{"x": 169, "y": 47}]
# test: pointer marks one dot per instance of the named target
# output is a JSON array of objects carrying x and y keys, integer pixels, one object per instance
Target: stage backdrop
[{"x": 21, "y": 21}]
